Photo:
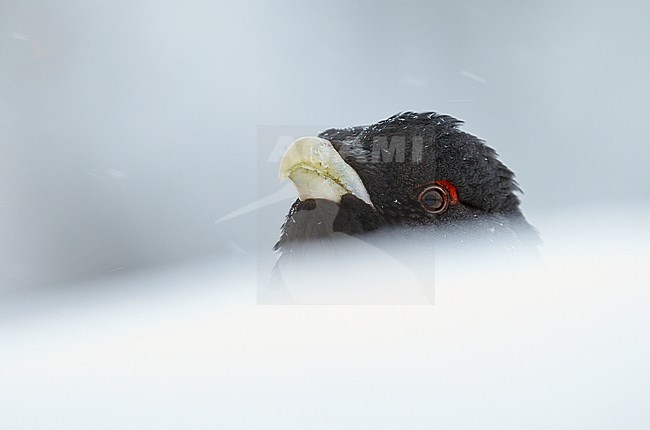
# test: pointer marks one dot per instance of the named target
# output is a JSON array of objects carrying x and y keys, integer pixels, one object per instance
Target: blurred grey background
[{"x": 127, "y": 129}]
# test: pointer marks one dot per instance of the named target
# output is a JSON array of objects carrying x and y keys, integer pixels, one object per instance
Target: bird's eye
[{"x": 434, "y": 199}]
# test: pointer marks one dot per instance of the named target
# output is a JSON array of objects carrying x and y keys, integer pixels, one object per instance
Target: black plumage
[{"x": 396, "y": 157}]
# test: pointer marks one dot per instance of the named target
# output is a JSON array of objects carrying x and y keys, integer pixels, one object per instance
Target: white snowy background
[{"x": 129, "y": 130}]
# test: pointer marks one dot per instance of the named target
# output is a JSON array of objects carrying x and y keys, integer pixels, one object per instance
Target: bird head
[{"x": 412, "y": 169}]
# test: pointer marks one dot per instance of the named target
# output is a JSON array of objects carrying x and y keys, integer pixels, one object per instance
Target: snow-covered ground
[{"x": 558, "y": 345}]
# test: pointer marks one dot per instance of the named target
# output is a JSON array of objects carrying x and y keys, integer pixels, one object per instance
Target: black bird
[
  {"x": 404, "y": 185},
  {"x": 410, "y": 170}
]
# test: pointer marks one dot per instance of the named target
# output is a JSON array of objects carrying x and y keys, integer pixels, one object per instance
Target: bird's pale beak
[{"x": 318, "y": 171}]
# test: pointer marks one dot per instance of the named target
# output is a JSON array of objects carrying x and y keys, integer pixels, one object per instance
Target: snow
[{"x": 558, "y": 345}]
